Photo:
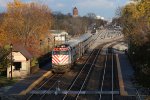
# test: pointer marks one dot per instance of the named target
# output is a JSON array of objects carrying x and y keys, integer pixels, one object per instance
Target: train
[{"x": 65, "y": 55}]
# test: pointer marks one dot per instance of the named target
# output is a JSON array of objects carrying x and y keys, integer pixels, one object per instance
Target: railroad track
[
  {"x": 50, "y": 84},
  {"x": 46, "y": 85},
  {"x": 79, "y": 84},
  {"x": 108, "y": 82},
  {"x": 108, "y": 77},
  {"x": 81, "y": 79}
]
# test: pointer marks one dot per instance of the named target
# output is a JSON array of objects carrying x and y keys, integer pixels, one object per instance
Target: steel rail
[
  {"x": 88, "y": 74},
  {"x": 49, "y": 89},
  {"x": 112, "y": 74},
  {"x": 78, "y": 75},
  {"x": 41, "y": 86},
  {"x": 103, "y": 75}
]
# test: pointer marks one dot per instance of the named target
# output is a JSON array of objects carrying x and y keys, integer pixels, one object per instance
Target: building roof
[
  {"x": 22, "y": 50},
  {"x": 76, "y": 41},
  {"x": 75, "y": 8},
  {"x": 56, "y": 32}
]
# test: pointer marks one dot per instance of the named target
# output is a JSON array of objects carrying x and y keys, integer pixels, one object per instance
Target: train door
[
  {"x": 73, "y": 54},
  {"x": 70, "y": 55},
  {"x": 83, "y": 47},
  {"x": 77, "y": 51},
  {"x": 80, "y": 49}
]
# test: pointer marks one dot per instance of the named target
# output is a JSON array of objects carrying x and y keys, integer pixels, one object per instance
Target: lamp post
[
  {"x": 48, "y": 43},
  {"x": 11, "y": 58},
  {"x": 40, "y": 43}
]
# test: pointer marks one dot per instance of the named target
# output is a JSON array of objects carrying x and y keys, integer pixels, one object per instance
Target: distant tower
[{"x": 75, "y": 12}]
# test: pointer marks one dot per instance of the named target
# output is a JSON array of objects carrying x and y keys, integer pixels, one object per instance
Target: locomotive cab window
[{"x": 60, "y": 52}]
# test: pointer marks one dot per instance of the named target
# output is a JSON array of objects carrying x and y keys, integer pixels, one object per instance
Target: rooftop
[{"x": 22, "y": 50}]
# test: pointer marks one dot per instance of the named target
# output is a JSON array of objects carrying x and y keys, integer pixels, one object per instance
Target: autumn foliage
[
  {"x": 135, "y": 20},
  {"x": 27, "y": 24}
]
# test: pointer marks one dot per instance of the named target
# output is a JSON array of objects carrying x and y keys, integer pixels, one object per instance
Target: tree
[
  {"x": 74, "y": 26},
  {"x": 135, "y": 23},
  {"x": 27, "y": 23},
  {"x": 136, "y": 27},
  {"x": 4, "y": 61},
  {"x": 3, "y": 34},
  {"x": 91, "y": 15}
]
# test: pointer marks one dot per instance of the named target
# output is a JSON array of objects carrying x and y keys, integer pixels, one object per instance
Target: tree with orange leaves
[{"x": 27, "y": 23}]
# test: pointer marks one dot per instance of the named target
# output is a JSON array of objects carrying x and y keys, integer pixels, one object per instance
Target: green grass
[{"x": 4, "y": 81}]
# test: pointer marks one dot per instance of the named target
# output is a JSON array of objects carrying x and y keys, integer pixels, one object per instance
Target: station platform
[
  {"x": 127, "y": 74},
  {"x": 22, "y": 84}
]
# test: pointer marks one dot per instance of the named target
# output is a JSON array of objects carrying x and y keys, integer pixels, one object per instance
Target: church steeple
[{"x": 75, "y": 12}]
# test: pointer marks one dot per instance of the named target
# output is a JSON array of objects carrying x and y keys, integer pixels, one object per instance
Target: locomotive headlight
[{"x": 62, "y": 46}]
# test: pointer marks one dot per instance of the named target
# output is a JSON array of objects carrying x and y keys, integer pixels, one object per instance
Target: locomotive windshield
[{"x": 60, "y": 52}]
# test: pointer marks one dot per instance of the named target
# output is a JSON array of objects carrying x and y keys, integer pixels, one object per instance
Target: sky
[{"x": 103, "y": 8}]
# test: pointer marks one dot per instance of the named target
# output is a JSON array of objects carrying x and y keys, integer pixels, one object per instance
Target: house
[
  {"x": 21, "y": 62},
  {"x": 59, "y": 36}
]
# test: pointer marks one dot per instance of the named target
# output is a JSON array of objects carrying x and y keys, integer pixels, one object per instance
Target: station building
[
  {"x": 21, "y": 62},
  {"x": 59, "y": 36}
]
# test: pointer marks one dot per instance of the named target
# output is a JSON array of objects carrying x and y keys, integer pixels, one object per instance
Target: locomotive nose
[
  {"x": 63, "y": 59},
  {"x": 60, "y": 59}
]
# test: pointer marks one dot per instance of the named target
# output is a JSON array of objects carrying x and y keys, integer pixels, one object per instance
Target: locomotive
[{"x": 65, "y": 55}]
